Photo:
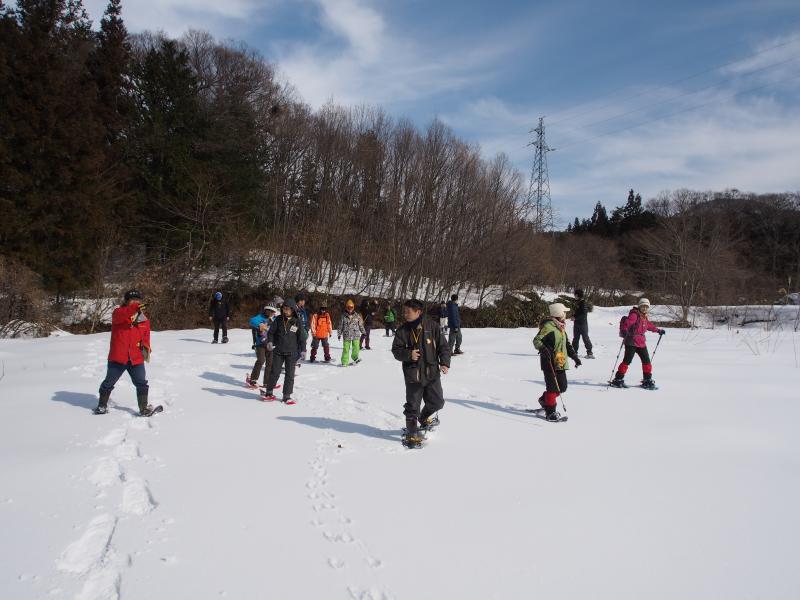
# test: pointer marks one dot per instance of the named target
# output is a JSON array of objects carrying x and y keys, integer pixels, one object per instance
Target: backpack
[{"x": 623, "y": 332}]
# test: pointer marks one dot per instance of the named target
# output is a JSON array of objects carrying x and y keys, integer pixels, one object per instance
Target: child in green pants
[{"x": 351, "y": 329}]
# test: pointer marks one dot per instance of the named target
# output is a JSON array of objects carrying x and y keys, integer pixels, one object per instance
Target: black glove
[
  {"x": 253, "y": 347},
  {"x": 662, "y": 331},
  {"x": 578, "y": 362}
]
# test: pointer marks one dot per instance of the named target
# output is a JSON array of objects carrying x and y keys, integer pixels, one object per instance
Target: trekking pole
[
  {"x": 660, "y": 335},
  {"x": 614, "y": 368},
  {"x": 558, "y": 387}
]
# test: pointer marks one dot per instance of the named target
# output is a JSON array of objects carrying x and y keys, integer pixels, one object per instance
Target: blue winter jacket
[
  {"x": 302, "y": 314},
  {"x": 258, "y": 320},
  {"x": 453, "y": 316}
]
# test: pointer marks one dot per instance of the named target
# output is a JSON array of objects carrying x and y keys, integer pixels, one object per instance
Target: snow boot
[
  {"x": 102, "y": 403},
  {"x": 589, "y": 355},
  {"x": 428, "y": 423},
  {"x": 147, "y": 411},
  {"x": 224, "y": 340},
  {"x": 288, "y": 400},
  {"x": 552, "y": 415},
  {"x": 648, "y": 383},
  {"x": 412, "y": 436},
  {"x": 267, "y": 396},
  {"x": 253, "y": 385},
  {"x": 618, "y": 382},
  {"x": 214, "y": 342}
]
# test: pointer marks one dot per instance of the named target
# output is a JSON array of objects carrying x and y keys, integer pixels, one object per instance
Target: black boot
[
  {"x": 618, "y": 381},
  {"x": 145, "y": 410},
  {"x": 412, "y": 438},
  {"x": 102, "y": 404}
]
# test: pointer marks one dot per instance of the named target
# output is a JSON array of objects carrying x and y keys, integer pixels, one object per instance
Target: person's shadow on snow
[
  {"x": 85, "y": 401},
  {"x": 244, "y": 394},
  {"x": 346, "y": 427},
  {"x": 221, "y": 378},
  {"x": 477, "y": 404}
]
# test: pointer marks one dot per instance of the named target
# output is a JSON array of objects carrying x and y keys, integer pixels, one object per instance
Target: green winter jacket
[
  {"x": 554, "y": 339},
  {"x": 390, "y": 316}
]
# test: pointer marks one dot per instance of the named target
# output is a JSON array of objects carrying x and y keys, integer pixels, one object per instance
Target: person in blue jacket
[
  {"x": 259, "y": 325},
  {"x": 454, "y": 321}
]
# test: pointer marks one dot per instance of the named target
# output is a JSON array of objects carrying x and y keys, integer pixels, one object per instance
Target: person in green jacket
[
  {"x": 554, "y": 348},
  {"x": 390, "y": 321}
]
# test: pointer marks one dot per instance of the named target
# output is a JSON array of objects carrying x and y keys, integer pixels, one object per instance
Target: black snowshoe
[
  {"x": 149, "y": 410},
  {"x": 100, "y": 410},
  {"x": 618, "y": 383},
  {"x": 224, "y": 340},
  {"x": 429, "y": 423},
  {"x": 649, "y": 384}
]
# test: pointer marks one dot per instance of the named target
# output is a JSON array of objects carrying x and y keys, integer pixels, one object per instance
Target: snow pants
[
  {"x": 326, "y": 348},
  {"x": 278, "y": 361},
  {"x": 556, "y": 384},
  {"x": 455, "y": 339},
  {"x": 350, "y": 348},
  {"x": 262, "y": 357},
  {"x": 391, "y": 327},
  {"x": 581, "y": 330},
  {"x": 138, "y": 377},
  {"x": 644, "y": 356},
  {"x": 430, "y": 391},
  {"x": 223, "y": 323}
]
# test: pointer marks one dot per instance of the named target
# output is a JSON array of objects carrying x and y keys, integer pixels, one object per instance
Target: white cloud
[{"x": 175, "y": 17}]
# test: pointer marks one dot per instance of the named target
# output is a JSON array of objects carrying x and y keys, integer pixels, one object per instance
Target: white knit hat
[
  {"x": 558, "y": 310},
  {"x": 644, "y": 302}
]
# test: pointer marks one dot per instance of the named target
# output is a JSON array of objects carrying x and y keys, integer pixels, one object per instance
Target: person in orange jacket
[
  {"x": 130, "y": 349},
  {"x": 321, "y": 328}
]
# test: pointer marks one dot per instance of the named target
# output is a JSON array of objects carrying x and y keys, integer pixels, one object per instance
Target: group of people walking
[{"x": 424, "y": 346}]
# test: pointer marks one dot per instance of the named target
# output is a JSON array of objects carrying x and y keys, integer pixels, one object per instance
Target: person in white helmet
[
  {"x": 553, "y": 345},
  {"x": 632, "y": 329}
]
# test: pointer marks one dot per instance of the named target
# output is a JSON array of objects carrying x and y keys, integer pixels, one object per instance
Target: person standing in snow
[
  {"x": 302, "y": 314},
  {"x": 219, "y": 313},
  {"x": 390, "y": 320},
  {"x": 443, "y": 321},
  {"x": 580, "y": 328},
  {"x": 454, "y": 321},
  {"x": 285, "y": 336},
  {"x": 259, "y": 325},
  {"x": 351, "y": 328},
  {"x": 321, "y": 330},
  {"x": 130, "y": 349},
  {"x": 633, "y": 329},
  {"x": 368, "y": 314},
  {"x": 425, "y": 353},
  {"x": 554, "y": 348}
]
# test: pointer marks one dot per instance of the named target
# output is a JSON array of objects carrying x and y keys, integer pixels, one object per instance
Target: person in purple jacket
[{"x": 632, "y": 330}]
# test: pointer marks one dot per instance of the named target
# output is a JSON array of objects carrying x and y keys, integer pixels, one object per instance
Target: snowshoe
[
  {"x": 618, "y": 383},
  {"x": 100, "y": 410},
  {"x": 458, "y": 352},
  {"x": 540, "y": 413},
  {"x": 429, "y": 424},
  {"x": 356, "y": 361},
  {"x": 267, "y": 396},
  {"x": 328, "y": 359},
  {"x": 413, "y": 440},
  {"x": 224, "y": 340},
  {"x": 214, "y": 342},
  {"x": 555, "y": 417},
  {"x": 649, "y": 384},
  {"x": 149, "y": 411},
  {"x": 288, "y": 402},
  {"x": 590, "y": 356},
  {"x": 250, "y": 383}
]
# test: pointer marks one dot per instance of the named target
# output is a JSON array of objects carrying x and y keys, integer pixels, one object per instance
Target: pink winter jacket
[{"x": 636, "y": 325}]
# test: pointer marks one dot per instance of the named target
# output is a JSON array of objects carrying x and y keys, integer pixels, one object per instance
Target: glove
[
  {"x": 253, "y": 347},
  {"x": 339, "y": 337},
  {"x": 578, "y": 362},
  {"x": 270, "y": 347},
  {"x": 662, "y": 331}
]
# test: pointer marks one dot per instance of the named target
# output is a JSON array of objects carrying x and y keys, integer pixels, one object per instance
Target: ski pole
[{"x": 621, "y": 344}]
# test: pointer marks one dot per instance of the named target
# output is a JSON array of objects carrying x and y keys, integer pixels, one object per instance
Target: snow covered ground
[{"x": 688, "y": 492}]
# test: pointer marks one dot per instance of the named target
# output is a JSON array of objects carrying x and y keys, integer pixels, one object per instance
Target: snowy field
[{"x": 689, "y": 492}]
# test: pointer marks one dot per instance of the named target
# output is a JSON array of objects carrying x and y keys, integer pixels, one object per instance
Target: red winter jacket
[
  {"x": 130, "y": 330},
  {"x": 635, "y": 327}
]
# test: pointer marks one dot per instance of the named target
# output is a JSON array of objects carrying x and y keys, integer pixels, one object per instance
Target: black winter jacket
[
  {"x": 287, "y": 335},
  {"x": 427, "y": 337},
  {"x": 219, "y": 310}
]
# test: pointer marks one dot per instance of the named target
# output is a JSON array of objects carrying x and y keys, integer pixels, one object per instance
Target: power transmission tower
[{"x": 539, "y": 190}]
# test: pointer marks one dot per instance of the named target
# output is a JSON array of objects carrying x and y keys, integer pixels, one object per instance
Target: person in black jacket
[
  {"x": 581, "y": 326},
  {"x": 285, "y": 337},
  {"x": 219, "y": 313},
  {"x": 422, "y": 348},
  {"x": 368, "y": 310}
]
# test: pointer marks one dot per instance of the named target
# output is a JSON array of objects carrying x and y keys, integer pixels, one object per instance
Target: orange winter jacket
[{"x": 321, "y": 325}]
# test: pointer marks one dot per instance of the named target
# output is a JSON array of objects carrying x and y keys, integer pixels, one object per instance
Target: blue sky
[{"x": 613, "y": 79}]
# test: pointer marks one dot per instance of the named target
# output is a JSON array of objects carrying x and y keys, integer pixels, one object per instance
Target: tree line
[{"x": 182, "y": 164}]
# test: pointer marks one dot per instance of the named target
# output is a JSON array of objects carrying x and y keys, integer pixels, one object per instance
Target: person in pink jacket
[{"x": 633, "y": 329}]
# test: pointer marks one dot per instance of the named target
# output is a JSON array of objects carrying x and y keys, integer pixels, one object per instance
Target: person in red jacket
[{"x": 130, "y": 348}]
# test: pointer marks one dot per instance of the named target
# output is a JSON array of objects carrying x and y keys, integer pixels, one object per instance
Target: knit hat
[
  {"x": 269, "y": 308},
  {"x": 644, "y": 302},
  {"x": 218, "y": 295},
  {"x": 558, "y": 310}
]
